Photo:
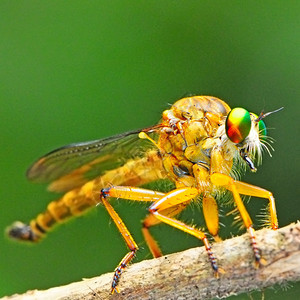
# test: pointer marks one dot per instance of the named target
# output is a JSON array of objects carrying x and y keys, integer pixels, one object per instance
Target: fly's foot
[
  {"x": 259, "y": 261},
  {"x": 116, "y": 278},
  {"x": 212, "y": 259}
]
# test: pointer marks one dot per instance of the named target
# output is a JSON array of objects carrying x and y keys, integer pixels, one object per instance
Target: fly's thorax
[
  {"x": 189, "y": 134},
  {"x": 200, "y": 152},
  {"x": 172, "y": 145},
  {"x": 182, "y": 148},
  {"x": 196, "y": 106}
]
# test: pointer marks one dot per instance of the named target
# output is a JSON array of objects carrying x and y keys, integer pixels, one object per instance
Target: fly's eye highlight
[{"x": 238, "y": 124}]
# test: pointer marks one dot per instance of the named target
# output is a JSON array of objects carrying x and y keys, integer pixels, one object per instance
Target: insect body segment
[{"x": 201, "y": 145}]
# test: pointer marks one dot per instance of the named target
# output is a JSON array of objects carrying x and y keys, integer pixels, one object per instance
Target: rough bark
[{"x": 188, "y": 275}]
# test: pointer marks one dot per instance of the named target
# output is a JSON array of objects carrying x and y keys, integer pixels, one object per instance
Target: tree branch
[{"x": 188, "y": 274}]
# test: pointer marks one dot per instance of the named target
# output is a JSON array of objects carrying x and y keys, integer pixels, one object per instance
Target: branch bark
[{"x": 188, "y": 275}]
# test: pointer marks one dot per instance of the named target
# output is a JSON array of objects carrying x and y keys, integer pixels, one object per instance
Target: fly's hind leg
[
  {"x": 133, "y": 247},
  {"x": 237, "y": 188},
  {"x": 130, "y": 193}
]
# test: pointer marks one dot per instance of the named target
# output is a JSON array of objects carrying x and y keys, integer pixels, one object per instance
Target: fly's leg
[
  {"x": 129, "y": 193},
  {"x": 211, "y": 216},
  {"x": 209, "y": 204},
  {"x": 255, "y": 191},
  {"x": 237, "y": 188},
  {"x": 228, "y": 182},
  {"x": 151, "y": 220},
  {"x": 164, "y": 206},
  {"x": 173, "y": 199},
  {"x": 128, "y": 239}
]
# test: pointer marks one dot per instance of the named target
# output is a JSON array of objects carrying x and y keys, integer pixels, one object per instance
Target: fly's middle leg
[
  {"x": 151, "y": 220},
  {"x": 162, "y": 209}
]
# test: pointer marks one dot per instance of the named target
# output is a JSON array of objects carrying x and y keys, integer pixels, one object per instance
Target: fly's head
[{"x": 248, "y": 133}]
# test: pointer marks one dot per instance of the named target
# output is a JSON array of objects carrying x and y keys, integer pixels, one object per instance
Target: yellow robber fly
[{"x": 201, "y": 145}]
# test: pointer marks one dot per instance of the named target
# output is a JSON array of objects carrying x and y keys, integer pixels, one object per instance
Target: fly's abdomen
[
  {"x": 71, "y": 204},
  {"x": 78, "y": 201}
]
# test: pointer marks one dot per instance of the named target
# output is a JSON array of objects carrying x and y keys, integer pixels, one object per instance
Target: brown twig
[{"x": 187, "y": 275}]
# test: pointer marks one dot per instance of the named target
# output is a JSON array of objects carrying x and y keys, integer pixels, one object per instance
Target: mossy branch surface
[{"x": 188, "y": 275}]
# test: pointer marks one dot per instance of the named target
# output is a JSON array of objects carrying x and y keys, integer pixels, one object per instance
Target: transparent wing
[{"x": 75, "y": 164}]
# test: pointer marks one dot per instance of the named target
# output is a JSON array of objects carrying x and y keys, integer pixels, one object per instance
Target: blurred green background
[{"x": 73, "y": 71}]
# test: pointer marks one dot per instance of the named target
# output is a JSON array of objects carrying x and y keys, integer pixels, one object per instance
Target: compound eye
[
  {"x": 238, "y": 124},
  {"x": 262, "y": 129}
]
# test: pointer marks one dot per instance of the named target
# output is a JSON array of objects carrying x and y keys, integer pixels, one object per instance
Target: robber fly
[{"x": 200, "y": 145}]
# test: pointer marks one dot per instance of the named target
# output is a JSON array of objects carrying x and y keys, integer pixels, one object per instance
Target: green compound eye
[
  {"x": 238, "y": 124},
  {"x": 261, "y": 127}
]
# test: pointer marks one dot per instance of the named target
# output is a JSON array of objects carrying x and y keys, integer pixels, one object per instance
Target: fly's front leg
[
  {"x": 175, "y": 198},
  {"x": 237, "y": 188},
  {"x": 255, "y": 191},
  {"x": 130, "y": 193}
]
